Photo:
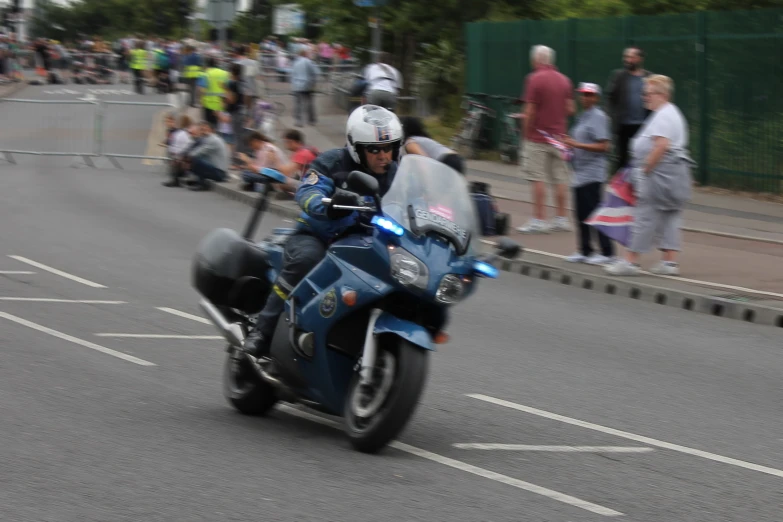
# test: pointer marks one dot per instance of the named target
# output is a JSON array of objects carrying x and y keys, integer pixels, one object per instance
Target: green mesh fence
[{"x": 727, "y": 69}]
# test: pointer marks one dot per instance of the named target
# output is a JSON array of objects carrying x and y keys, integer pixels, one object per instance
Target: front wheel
[
  {"x": 243, "y": 388},
  {"x": 375, "y": 414}
]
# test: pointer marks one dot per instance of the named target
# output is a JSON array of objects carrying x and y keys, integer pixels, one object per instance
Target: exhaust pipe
[{"x": 232, "y": 332}]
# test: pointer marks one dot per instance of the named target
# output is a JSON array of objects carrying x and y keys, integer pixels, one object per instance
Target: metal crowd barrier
[
  {"x": 69, "y": 132},
  {"x": 74, "y": 131},
  {"x": 123, "y": 133}
]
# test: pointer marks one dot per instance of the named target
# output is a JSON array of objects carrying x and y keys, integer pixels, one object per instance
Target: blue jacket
[{"x": 328, "y": 172}]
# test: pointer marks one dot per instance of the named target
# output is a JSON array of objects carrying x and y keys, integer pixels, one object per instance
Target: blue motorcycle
[{"x": 357, "y": 331}]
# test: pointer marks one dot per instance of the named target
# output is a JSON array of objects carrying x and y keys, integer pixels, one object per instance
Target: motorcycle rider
[{"x": 374, "y": 137}]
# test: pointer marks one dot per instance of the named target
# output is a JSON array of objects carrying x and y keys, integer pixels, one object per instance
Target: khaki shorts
[{"x": 543, "y": 162}]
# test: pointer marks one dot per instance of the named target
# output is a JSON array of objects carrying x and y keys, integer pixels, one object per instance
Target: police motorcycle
[{"x": 356, "y": 335}]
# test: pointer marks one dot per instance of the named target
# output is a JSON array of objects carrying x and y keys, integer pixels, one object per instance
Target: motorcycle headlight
[
  {"x": 407, "y": 269},
  {"x": 450, "y": 290}
]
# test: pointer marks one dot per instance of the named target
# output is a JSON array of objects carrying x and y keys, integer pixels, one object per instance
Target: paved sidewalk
[{"x": 9, "y": 89}]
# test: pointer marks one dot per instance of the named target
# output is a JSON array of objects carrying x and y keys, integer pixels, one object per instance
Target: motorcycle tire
[
  {"x": 249, "y": 395},
  {"x": 411, "y": 369}
]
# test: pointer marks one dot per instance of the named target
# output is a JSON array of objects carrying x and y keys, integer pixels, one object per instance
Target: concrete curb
[
  {"x": 16, "y": 87},
  {"x": 691, "y": 301},
  {"x": 682, "y": 299}
]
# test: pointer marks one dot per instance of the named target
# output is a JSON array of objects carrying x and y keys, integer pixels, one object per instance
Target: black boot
[{"x": 259, "y": 339}]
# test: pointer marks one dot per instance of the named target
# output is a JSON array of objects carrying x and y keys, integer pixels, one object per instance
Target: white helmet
[{"x": 369, "y": 125}]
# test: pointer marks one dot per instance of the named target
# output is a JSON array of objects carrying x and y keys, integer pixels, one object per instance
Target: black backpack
[{"x": 492, "y": 222}]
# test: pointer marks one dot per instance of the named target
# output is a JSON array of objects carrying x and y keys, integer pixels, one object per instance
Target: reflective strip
[
  {"x": 282, "y": 295},
  {"x": 306, "y": 205}
]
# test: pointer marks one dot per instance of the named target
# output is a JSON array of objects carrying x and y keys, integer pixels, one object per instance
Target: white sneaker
[
  {"x": 534, "y": 226},
  {"x": 598, "y": 259},
  {"x": 622, "y": 268},
  {"x": 668, "y": 268},
  {"x": 561, "y": 224},
  {"x": 576, "y": 258}
]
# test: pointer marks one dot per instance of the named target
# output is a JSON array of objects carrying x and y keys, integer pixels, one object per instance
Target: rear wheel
[
  {"x": 376, "y": 413},
  {"x": 243, "y": 388}
]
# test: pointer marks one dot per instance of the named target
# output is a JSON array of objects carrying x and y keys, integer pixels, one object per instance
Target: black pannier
[{"x": 231, "y": 271}]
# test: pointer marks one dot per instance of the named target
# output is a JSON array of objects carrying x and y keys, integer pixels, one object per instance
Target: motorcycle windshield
[{"x": 428, "y": 196}]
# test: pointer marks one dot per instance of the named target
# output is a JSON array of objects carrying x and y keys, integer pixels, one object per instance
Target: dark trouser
[
  {"x": 302, "y": 253},
  {"x": 454, "y": 161},
  {"x": 206, "y": 171},
  {"x": 624, "y": 135},
  {"x": 138, "y": 80},
  {"x": 385, "y": 99},
  {"x": 587, "y": 198},
  {"x": 175, "y": 170},
  {"x": 211, "y": 116},
  {"x": 192, "y": 84},
  {"x": 304, "y": 103}
]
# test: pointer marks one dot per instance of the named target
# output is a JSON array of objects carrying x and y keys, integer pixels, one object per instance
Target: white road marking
[
  {"x": 469, "y": 468},
  {"x": 185, "y": 315},
  {"x": 678, "y": 278},
  {"x": 563, "y": 449},
  {"x": 57, "y": 272},
  {"x": 16, "y": 272},
  {"x": 157, "y": 336},
  {"x": 75, "y": 340},
  {"x": 52, "y": 300},
  {"x": 631, "y": 436}
]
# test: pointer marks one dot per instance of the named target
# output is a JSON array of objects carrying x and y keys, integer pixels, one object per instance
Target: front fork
[{"x": 370, "y": 349}]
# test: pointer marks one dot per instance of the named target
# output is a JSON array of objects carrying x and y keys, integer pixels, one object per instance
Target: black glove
[{"x": 342, "y": 197}]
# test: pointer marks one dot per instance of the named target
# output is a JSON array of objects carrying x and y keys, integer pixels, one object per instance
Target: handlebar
[{"x": 328, "y": 201}]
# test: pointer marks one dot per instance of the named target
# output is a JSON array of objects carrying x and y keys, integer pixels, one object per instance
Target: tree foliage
[{"x": 110, "y": 18}]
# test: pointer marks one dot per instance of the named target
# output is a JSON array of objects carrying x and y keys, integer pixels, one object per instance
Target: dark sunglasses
[{"x": 377, "y": 149}]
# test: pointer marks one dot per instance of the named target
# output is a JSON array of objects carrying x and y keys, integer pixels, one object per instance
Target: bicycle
[
  {"x": 474, "y": 128},
  {"x": 510, "y": 131}
]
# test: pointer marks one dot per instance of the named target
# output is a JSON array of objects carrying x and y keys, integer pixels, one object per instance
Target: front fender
[{"x": 411, "y": 332}]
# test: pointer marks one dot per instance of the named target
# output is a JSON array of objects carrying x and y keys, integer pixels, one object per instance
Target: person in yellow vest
[
  {"x": 161, "y": 64},
  {"x": 138, "y": 66},
  {"x": 192, "y": 67},
  {"x": 214, "y": 89}
]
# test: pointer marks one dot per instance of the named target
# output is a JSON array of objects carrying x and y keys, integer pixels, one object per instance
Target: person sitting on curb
[
  {"x": 208, "y": 160},
  {"x": 301, "y": 155},
  {"x": 179, "y": 142},
  {"x": 267, "y": 155}
]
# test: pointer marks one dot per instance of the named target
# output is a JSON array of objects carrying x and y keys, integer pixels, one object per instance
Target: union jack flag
[
  {"x": 614, "y": 217},
  {"x": 565, "y": 151}
]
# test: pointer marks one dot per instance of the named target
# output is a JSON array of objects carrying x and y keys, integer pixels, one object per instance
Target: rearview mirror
[
  {"x": 363, "y": 184},
  {"x": 508, "y": 248}
]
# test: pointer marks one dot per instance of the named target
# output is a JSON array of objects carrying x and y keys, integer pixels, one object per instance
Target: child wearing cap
[{"x": 590, "y": 140}]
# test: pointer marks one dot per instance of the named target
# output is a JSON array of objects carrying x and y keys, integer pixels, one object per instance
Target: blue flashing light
[
  {"x": 388, "y": 225},
  {"x": 485, "y": 269}
]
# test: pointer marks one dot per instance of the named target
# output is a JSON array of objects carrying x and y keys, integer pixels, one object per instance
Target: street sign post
[
  {"x": 375, "y": 23},
  {"x": 220, "y": 14}
]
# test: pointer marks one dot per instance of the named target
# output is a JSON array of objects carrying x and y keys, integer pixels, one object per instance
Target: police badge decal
[
  {"x": 311, "y": 179},
  {"x": 328, "y": 304}
]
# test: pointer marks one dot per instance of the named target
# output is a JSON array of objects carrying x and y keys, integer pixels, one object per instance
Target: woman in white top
[
  {"x": 418, "y": 141},
  {"x": 662, "y": 180}
]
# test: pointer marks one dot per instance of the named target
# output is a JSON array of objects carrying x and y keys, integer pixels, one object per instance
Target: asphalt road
[{"x": 114, "y": 428}]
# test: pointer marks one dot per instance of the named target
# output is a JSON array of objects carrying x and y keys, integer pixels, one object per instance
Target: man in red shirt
[
  {"x": 549, "y": 101},
  {"x": 301, "y": 154}
]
